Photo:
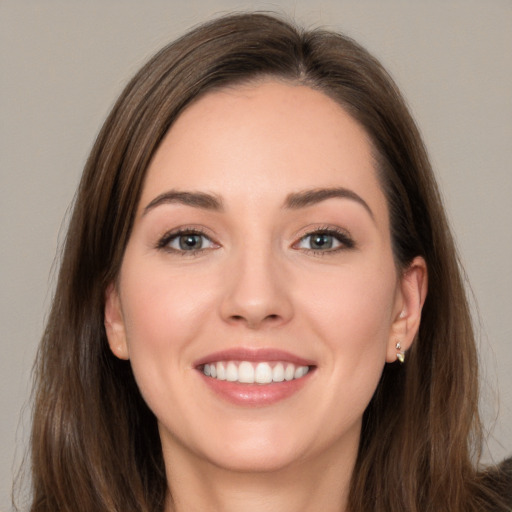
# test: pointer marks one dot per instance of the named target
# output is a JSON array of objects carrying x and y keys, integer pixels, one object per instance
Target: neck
[{"x": 309, "y": 485}]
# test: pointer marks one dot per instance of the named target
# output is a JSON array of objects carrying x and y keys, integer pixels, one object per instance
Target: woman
[{"x": 242, "y": 318}]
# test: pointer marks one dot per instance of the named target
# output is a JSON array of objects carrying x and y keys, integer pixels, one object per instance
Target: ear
[
  {"x": 114, "y": 323},
  {"x": 408, "y": 305}
]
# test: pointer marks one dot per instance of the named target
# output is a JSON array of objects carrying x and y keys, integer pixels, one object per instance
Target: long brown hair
[{"x": 95, "y": 444}]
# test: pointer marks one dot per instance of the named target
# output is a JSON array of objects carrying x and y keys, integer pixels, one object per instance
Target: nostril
[{"x": 255, "y": 321}]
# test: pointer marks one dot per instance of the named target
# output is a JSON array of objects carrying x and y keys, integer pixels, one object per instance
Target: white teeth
[
  {"x": 300, "y": 372},
  {"x": 249, "y": 373},
  {"x": 263, "y": 374},
  {"x": 232, "y": 372},
  {"x": 221, "y": 371},
  {"x": 289, "y": 373},
  {"x": 246, "y": 372},
  {"x": 278, "y": 373}
]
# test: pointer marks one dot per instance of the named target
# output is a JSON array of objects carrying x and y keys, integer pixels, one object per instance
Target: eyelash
[
  {"x": 342, "y": 237},
  {"x": 165, "y": 241},
  {"x": 346, "y": 242}
]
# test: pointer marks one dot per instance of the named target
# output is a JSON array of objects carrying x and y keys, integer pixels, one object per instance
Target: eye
[
  {"x": 325, "y": 241},
  {"x": 186, "y": 241}
]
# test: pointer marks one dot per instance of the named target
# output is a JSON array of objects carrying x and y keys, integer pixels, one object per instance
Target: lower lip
[{"x": 256, "y": 395}]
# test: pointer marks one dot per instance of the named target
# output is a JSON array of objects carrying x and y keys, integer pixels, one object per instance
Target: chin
[
  {"x": 248, "y": 447},
  {"x": 255, "y": 460}
]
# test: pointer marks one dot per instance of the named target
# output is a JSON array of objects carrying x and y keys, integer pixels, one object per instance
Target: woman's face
[{"x": 261, "y": 254}]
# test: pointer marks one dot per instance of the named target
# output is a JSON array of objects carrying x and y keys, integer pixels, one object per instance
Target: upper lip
[{"x": 253, "y": 355}]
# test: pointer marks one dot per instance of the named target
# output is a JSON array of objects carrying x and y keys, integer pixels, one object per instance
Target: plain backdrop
[{"x": 63, "y": 63}]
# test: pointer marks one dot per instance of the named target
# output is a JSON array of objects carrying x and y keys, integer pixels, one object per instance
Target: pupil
[
  {"x": 189, "y": 242},
  {"x": 322, "y": 241}
]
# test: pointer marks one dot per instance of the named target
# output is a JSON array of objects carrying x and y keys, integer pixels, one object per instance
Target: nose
[{"x": 257, "y": 291}]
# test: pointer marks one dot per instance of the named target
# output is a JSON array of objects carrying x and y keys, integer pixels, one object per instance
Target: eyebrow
[
  {"x": 195, "y": 199},
  {"x": 307, "y": 198},
  {"x": 294, "y": 201}
]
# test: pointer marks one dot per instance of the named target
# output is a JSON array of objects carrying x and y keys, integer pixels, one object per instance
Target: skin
[{"x": 256, "y": 283}]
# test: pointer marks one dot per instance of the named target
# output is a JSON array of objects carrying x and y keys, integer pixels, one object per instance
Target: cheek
[
  {"x": 347, "y": 313},
  {"x": 163, "y": 314},
  {"x": 159, "y": 305},
  {"x": 352, "y": 309},
  {"x": 162, "y": 318},
  {"x": 352, "y": 313}
]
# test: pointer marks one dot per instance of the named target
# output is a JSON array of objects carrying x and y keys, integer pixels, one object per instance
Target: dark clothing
[{"x": 500, "y": 481}]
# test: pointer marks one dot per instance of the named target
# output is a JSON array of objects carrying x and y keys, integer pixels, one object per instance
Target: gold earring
[{"x": 400, "y": 354}]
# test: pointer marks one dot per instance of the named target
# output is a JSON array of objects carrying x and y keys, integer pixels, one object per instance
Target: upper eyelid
[
  {"x": 323, "y": 228},
  {"x": 345, "y": 238},
  {"x": 297, "y": 237},
  {"x": 183, "y": 230},
  {"x": 188, "y": 228}
]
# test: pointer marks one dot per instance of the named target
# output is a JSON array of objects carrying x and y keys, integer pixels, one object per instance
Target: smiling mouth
[{"x": 248, "y": 372}]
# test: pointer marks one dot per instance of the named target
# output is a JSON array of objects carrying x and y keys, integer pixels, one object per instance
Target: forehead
[{"x": 264, "y": 139}]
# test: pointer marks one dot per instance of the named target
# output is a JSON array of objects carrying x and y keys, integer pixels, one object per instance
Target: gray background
[{"x": 63, "y": 63}]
